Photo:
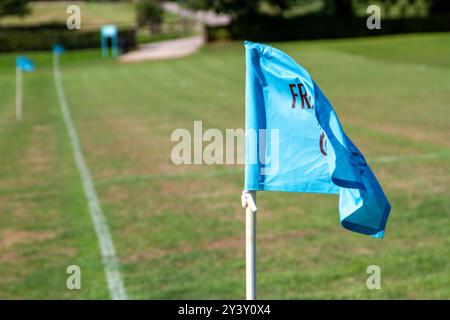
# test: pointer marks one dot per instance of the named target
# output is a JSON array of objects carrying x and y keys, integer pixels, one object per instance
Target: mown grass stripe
[{"x": 221, "y": 170}]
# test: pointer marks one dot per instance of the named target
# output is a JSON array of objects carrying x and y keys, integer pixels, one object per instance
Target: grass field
[
  {"x": 96, "y": 14},
  {"x": 93, "y": 14},
  {"x": 178, "y": 230}
]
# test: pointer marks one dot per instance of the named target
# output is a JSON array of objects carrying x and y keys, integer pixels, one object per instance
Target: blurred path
[
  {"x": 209, "y": 17},
  {"x": 179, "y": 47},
  {"x": 164, "y": 49}
]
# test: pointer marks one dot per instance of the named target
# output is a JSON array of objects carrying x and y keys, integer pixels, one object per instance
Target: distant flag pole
[
  {"x": 57, "y": 51},
  {"x": 19, "y": 93},
  {"x": 249, "y": 203},
  {"x": 22, "y": 64}
]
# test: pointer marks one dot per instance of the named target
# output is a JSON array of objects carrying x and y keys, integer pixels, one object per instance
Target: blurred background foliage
[
  {"x": 144, "y": 21},
  {"x": 390, "y": 8}
]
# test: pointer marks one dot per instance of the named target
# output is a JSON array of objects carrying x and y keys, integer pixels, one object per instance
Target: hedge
[
  {"x": 269, "y": 28},
  {"x": 45, "y": 36}
]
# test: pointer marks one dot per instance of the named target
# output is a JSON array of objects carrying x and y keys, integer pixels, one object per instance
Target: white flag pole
[
  {"x": 55, "y": 60},
  {"x": 18, "y": 94},
  {"x": 249, "y": 203}
]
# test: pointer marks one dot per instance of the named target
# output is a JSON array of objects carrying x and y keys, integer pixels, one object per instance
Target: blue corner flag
[
  {"x": 58, "y": 49},
  {"x": 24, "y": 64},
  {"x": 295, "y": 142}
]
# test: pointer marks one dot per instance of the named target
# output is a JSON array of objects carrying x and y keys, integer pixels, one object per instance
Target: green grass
[
  {"x": 93, "y": 14},
  {"x": 96, "y": 14},
  {"x": 179, "y": 230}
]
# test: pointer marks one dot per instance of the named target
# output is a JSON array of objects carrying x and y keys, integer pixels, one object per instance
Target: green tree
[
  {"x": 236, "y": 8},
  {"x": 14, "y": 7},
  {"x": 239, "y": 8},
  {"x": 440, "y": 6},
  {"x": 150, "y": 13},
  {"x": 342, "y": 8}
]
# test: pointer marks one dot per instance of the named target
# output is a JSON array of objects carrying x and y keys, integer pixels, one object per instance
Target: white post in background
[
  {"x": 249, "y": 203},
  {"x": 18, "y": 94},
  {"x": 55, "y": 60}
]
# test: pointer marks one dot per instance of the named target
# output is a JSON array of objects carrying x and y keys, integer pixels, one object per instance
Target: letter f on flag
[{"x": 315, "y": 155}]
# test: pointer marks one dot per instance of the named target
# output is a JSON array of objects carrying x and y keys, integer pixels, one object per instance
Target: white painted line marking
[{"x": 110, "y": 263}]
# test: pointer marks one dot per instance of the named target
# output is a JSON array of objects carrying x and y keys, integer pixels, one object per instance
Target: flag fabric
[
  {"x": 24, "y": 64},
  {"x": 295, "y": 142},
  {"x": 58, "y": 49}
]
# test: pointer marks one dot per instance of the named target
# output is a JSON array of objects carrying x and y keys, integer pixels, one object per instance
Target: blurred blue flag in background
[
  {"x": 300, "y": 146},
  {"x": 24, "y": 64},
  {"x": 58, "y": 49}
]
